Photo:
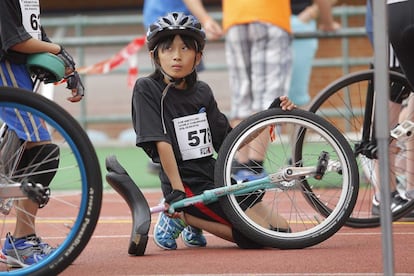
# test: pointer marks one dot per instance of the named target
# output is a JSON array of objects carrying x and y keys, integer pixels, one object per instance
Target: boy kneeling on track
[{"x": 173, "y": 93}]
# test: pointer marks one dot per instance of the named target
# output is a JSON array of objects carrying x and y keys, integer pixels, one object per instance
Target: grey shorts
[{"x": 259, "y": 59}]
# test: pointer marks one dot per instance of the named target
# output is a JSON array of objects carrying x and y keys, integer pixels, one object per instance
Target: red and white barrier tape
[{"x": 126, "y": 54}]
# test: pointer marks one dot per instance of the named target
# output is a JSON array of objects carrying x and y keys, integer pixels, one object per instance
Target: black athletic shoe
[{"x": 397, "y": 202}]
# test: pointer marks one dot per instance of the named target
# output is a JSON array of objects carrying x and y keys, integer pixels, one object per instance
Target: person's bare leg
[
  {"x": 259, "y": 213},
  {"x": 256, "y": 149},
  {"x": 400, "y": 163},
  {"x": 266, "y": 217},
  {"x": 218, "y": 229},
  {"x": 25, "y": 218},
  {"x": 243, "y": 154},
  {"x": 26, "y": 209},
  {"x": 410, "y": 150},
  {"x": 394, "y": 111}
]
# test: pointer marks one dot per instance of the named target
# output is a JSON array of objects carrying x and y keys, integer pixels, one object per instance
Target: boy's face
[{"x": 178, "y": 60}]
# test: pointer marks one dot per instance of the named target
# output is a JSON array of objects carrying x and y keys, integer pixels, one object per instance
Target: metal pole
[{"x": 381, "y": 81}]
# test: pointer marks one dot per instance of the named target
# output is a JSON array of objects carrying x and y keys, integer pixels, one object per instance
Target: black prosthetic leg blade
[{"x": 121, "y": 182}]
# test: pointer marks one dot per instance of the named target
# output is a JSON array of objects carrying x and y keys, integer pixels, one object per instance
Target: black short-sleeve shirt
[
  {"x": 297, "y": 6},
  {"x": 149, "y": 124},
  {"x": 12, "y": 28}
]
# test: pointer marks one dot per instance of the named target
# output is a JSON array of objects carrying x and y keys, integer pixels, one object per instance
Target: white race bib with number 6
[{"x": 30, "y": 14}]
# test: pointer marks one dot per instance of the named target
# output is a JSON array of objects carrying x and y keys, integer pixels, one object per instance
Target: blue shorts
[{"x": 27, "y": 127}]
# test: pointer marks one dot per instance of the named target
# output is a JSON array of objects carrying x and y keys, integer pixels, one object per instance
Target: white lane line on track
[
  {"x": 283, "y": 274},
  {"x": 371, "y": 233},
  {"x": 210, "y": 235}
]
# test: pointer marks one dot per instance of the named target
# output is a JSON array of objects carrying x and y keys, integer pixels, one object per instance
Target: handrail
[
  {"x": 81, "y": 21},
  {"x": 79, "y": 41},
  {"x": 104, "y": 40},
  {"x": 137, "y": 19}
]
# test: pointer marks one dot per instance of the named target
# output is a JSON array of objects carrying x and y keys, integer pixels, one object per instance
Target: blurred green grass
[{"x": 134, "y": 160}]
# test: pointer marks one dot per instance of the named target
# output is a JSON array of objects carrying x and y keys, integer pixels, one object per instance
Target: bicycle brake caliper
[{"x": 37, "y": 193}]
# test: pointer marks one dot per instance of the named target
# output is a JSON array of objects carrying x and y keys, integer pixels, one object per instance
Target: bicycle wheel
[
  {"x": 69, "y": 218},
  {"x": 343, "y": 103},
  {"x": 301, "y": 150}
]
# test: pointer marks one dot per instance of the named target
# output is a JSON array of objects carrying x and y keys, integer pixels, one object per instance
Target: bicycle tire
[
  {"x": 343, "y": 104},
  {"x": 68, "y": 220},
  {"x": 286, "y": 198}
]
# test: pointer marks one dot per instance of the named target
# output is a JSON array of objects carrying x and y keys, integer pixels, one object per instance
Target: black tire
[
  {"x": 70, "y": 217},
  {"x": 343, "y": 104},
  {"x": 299, "y": 138}
]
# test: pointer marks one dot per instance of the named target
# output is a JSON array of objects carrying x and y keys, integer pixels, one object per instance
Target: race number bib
[
  {"x": 193, "y": 136},
  {"x": 30, "y": 14}
]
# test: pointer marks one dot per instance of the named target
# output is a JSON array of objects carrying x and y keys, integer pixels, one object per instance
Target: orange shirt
[{"x": 237, "y": 12}]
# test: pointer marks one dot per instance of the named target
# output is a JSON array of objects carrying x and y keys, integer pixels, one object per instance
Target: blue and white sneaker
[
  {"x": 193, "y": 237},
  {"x": 167, "y": 230},
  {"x": 244, "y": 175},
  {"x": 25, "y": 251}
]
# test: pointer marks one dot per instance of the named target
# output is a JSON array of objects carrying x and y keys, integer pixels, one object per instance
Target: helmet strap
[{"x": 174, "y": 81}]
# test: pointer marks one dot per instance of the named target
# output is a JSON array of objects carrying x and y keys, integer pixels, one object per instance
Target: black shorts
[{"x": 198, "y": 176}]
